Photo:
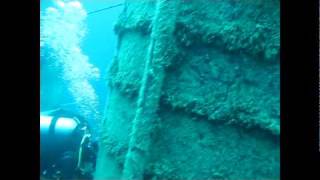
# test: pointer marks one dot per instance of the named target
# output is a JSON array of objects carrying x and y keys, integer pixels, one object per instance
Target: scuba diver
[{"x": 67, "y": 149}]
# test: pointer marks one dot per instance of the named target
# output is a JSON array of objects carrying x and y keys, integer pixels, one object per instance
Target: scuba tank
[
  {"x": 65, "y": 145},
  {"x": 59, "y": 131}
]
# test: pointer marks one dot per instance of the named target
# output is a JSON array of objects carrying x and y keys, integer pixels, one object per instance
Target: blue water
[{"x": 98, "y": 44}]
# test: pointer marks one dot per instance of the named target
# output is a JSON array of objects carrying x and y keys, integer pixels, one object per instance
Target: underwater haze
[
  {"x": 94, "y": 48},
  {"x": 173, "y": 89}
]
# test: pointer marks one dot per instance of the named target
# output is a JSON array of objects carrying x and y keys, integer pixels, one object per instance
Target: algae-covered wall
[{"x": 195, "y": 92}]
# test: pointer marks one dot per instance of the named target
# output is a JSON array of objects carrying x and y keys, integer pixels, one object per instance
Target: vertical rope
[{"x": 159, "y": 54}]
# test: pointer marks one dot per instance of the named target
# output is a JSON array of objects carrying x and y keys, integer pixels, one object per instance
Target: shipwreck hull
[{"x": 194, "y": 92}]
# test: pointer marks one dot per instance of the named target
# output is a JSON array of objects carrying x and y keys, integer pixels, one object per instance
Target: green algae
[{"x": 211, "y": 97}]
